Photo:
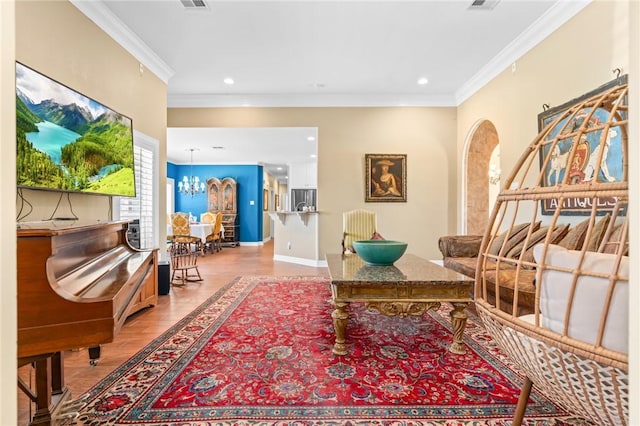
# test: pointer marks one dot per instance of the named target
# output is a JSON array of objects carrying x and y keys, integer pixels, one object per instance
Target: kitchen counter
[{"x": 295, "y": 237}]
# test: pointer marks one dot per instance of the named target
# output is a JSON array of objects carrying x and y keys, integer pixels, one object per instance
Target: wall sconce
[{"x": 494, "y": 174}]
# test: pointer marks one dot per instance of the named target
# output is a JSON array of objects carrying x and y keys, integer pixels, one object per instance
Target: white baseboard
[
  {"x": 301, "y": 261},
  {"x": 251, "y": 243}
]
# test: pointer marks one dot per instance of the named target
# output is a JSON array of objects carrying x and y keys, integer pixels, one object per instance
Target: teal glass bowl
[{"x": 379, "y": 252}]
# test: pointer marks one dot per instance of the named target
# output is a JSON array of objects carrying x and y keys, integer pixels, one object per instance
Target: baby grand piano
[{"x": 77, "y": 283}]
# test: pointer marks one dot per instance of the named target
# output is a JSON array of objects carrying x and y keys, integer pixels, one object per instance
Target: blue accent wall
[
  {"x": 172, "y": 171},
  {"x": 250, "y": 183}
]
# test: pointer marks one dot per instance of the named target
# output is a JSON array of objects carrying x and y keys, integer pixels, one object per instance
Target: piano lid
[{"x": 59, "y": 227}]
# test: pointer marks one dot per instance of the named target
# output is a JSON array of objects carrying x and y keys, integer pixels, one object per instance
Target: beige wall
[
  {"x": 573, "y": 60},
  {"x": 8, "y": 331},
  {"x": 56, "y": 39},
  {"x": 426, "y": 135}
]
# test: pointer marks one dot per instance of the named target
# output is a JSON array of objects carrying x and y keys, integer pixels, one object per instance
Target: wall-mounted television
[{"x": 69, "y": 142}]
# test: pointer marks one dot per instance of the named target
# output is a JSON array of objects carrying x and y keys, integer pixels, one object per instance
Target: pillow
[
  {"x": 516, "y": 235},
  {"x": 597, "y": 233},
  {"x": 496, "y": 243},
  {"x": 589, "y": 299},
  {"x": 575, "y": 237},
  {"x": 556, "y": 235},
  {"x": 611, "y": 246},
  {"x": 517, "y": 238},
  {"x": 535, "y": 238}
]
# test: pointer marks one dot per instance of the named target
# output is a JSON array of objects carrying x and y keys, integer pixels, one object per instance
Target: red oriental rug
[{"x": 259, "y": 352}]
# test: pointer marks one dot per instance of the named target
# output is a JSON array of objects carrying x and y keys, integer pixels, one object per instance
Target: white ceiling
[
  {"x": 268, "y": 146},
  {"x": 320, "y": 53}
]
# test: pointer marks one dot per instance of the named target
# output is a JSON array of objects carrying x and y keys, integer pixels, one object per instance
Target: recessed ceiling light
[
  {"x": 422, "y": 81},
  {"x": 279, "y": 168},
  {"x": 312, "y": 156},
  {"x": 311, "y": 138},
  {"x": 228, "y": 81}
]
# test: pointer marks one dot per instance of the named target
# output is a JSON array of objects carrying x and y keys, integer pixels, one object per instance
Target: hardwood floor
[{"x": 216, "y": 270}]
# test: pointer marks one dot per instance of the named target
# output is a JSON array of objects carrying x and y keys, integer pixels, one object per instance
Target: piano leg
[
  {"x": 94, "y": 354},
  {"x": 50, "y": 392},
  {"x": 57, "y": 374}
]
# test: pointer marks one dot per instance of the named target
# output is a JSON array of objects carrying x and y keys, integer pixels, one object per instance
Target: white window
[{"x": 146, "y": 201}]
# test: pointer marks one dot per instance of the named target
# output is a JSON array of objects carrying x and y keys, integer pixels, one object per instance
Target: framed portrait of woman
[{"x": 385, "y": 178}]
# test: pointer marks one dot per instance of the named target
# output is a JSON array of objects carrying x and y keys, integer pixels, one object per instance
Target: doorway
[{"x": 481, "y": 144}]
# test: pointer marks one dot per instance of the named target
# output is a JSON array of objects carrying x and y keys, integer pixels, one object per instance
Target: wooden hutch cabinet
[{"x": 222, "y": 197}]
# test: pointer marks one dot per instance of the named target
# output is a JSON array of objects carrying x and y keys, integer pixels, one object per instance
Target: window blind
[{"x": 141, "y": 207}]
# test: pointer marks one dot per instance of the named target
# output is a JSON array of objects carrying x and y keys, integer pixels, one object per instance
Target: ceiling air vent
[
  {"x": 483, "y": 4},
  {"x": 194, "y": 4}
]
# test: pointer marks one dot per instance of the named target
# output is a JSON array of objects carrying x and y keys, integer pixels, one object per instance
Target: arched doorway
[{"x": 480, "y": 145}]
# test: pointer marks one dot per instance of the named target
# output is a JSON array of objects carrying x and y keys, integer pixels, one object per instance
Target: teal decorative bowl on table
[{"x": 379, "y": 252}]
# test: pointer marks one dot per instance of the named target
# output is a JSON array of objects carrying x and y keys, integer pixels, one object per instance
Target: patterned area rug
[{"x": 259, "y": 352}]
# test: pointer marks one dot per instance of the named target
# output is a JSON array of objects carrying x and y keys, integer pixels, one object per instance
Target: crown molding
[
  {"x": 308, "y": 100},
  {"x": 117, "y": 30},
  {"x": 553, "y": 19}
]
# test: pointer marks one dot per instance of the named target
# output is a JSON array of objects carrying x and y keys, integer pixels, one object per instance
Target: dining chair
[
  {"x": 214, "y": 240},
  {"x": 181, "y": 231},
  {"x": 184, "y": 262},
  {"x": 357, "y": 225},
  {"x": 208, "y": 217}
]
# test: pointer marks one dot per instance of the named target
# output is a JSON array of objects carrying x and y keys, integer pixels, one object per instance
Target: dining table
[{"x": 200, "y": 230}]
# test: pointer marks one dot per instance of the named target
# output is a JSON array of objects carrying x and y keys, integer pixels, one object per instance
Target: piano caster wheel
[{"x": 94, "y": 355}]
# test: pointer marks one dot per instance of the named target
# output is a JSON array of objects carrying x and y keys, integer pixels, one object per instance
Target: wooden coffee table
[{"x": 411, "y": 286}]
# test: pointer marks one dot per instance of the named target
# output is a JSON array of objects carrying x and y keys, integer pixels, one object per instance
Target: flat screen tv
[{"x": 69, "y": 142}]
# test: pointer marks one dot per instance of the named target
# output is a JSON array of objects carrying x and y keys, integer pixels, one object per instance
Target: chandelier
[{"x": 191, "y": 184}]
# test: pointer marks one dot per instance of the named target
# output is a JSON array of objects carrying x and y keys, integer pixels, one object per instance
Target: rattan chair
[
  {"x": 573, "y": 347},
  {"x": 357, "y": 225}
]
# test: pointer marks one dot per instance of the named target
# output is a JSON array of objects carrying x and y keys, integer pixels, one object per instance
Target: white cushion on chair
[{"x": 589, "y": 299}]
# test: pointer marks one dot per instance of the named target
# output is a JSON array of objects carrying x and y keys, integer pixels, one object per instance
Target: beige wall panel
[
  {"x": 8, "y": 332},
  {"x": 56, "y": 39},
  {"x": 426, "y": 135},
  {"x": 294, "y": 236}
]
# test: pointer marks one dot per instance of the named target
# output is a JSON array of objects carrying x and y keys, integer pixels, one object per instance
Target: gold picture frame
[{"x": 385, "y": 178}]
